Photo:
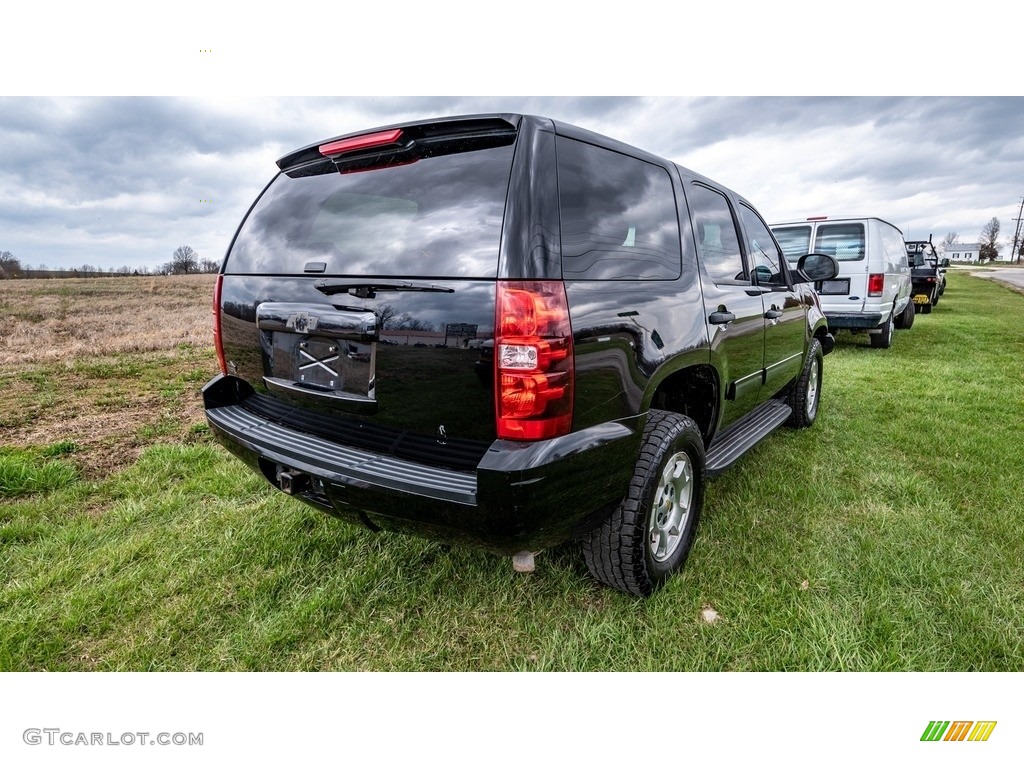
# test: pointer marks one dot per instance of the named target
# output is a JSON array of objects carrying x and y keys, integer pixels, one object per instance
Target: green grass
[
  {"x": 28, "y": 472},
  {"x": 890, "y": 536}
]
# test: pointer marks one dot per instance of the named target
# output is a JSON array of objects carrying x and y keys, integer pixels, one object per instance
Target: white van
[{"x": 871, "y": 293}]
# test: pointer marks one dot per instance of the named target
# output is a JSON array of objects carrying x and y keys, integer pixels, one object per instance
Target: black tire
[
  {"x": 806, "y": 393},
  {"x": 906, "y": 319},
  {"x": 649, "y": 535},
  {"x": 935, "y": 297},
  {"x": 926, "y": 309},
  {"x": 883, "y": 340}
]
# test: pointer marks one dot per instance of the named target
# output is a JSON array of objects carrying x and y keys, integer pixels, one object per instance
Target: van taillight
[
  {"x": 217, "y": 341},
  {"x": 875, "y": 284},
  {"x": 533, "y": 360}
]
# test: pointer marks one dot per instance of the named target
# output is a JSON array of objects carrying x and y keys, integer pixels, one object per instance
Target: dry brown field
[{"x": 109, "y": 364}]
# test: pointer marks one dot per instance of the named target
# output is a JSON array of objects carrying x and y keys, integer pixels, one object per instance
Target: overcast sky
[{"x": 110, "y": 180}]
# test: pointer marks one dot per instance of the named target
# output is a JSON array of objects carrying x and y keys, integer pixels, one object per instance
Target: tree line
[{"x": 184, "y": 261}]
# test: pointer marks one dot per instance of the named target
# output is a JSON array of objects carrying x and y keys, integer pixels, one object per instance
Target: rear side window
[
  {"x": 795, "y": 241},
  {"x": 717, "y": 237},
  {"x": 618, "y": 216},
  {"x": 844, "y": 241},
  {"x": 439, "y": 216},
  {"x": 895, "y": 247}
]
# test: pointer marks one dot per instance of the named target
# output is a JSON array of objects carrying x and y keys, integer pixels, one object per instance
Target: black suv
[{"x": 509, "y": 332}]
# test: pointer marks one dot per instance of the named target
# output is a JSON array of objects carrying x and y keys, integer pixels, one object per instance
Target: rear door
[
  {"x": 847, "y": 242},
  {"x": 735, "y": 313}
]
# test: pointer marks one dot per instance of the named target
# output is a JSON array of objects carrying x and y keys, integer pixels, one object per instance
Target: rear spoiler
[{"x": 404, "y": 140}]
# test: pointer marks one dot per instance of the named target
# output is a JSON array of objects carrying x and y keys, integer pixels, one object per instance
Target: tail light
[
  {"x": 533, "y": 360},
  {"x": 366, "y": 141},
  {"x": 217, "y": 341},
  {"x": 875, "y": 284}
]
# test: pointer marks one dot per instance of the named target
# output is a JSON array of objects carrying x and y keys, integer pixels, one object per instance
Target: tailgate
[{"x": 358, "y": 296}]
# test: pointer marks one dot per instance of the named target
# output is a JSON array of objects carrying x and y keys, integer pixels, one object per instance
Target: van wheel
[
  {"x": 806, "y": 392},
  {"x": 650, "y": 533},
  {"x": 906, "y": 318},
  {"x": 926, "y": 309},
  {"x": 883, "y": 340}
]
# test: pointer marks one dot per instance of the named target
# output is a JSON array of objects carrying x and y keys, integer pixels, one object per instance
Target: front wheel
[
  {"x": 806, "y": 392},
  {"x": 650, "y": 533}
]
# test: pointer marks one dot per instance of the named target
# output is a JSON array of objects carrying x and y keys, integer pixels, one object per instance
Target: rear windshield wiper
[{"x": 369, "y": 289}]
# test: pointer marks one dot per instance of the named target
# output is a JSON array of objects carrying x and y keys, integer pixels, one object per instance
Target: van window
[
  {"x": 795, "y": 241},
  {"x": 439, "y": 216},
  {"x": 894, "y": 246},
  {"x": 618, "y": 216},
  {"x": 717, "y": 237},
  {"x": 843, "y": 241}
]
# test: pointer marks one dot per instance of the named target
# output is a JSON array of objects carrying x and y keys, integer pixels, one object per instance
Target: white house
[
  {"x": 967, "y": 253},
  {"x": 963, "y": 252}
]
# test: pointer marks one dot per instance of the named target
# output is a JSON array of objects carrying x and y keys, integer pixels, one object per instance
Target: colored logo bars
[{"x": 958, "y": 730}]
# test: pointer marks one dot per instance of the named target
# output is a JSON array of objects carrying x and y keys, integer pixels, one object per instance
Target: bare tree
[
  {"x": 385, "y": 313},
  {"x": 9, "y": 265},
  {"x": 184, "y": 260},
  {"x": 405, "y": 322},
  {"x": 951, "y": 238},
  {"x": 989, "y": 250},
  {"x": 210, "y": 266}
]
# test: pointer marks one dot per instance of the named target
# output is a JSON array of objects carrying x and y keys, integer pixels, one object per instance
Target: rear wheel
[
  {"x": 883, "y": 340},
  {"x": 906, "y": 318},
  {"x": 650, "y": 533}
]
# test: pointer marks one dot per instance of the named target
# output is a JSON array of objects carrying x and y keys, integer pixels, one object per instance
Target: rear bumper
[
  {"x": 521, "y": 495},
  {"x": 853, "y": 321}
]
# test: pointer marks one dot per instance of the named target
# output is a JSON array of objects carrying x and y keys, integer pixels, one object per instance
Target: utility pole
[{"x": 1014, "y": 256}]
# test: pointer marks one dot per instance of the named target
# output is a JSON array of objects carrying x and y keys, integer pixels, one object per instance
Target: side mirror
[
  {"x": 945, "y": 262},
  {"x": 816, "y": 266}
]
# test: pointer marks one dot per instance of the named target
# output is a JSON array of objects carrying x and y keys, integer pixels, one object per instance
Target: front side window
[
  {"x": 843, "y": 241},
  {"x": 765, "y": 257},
  {"x": 717, "y": 237},
  {"x": 618, "y": 216}
]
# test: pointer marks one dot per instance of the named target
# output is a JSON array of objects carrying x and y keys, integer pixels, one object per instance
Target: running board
[{"x": 743, "y": 435}]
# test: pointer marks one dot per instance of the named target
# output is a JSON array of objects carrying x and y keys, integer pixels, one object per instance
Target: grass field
[{"x": 890, "y": 536}]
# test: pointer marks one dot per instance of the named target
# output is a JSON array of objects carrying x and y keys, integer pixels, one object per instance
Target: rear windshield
[
  {"x": 844, "y": 241},
  {"x": 440, "y": 216}
]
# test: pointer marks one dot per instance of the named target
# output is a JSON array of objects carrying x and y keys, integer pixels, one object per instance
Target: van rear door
[{"x": 846, "y": 241}]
